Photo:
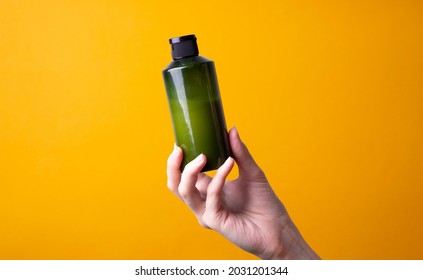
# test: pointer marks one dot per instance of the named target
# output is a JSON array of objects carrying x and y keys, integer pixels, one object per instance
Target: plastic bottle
[{"x": 195, "y": 104}]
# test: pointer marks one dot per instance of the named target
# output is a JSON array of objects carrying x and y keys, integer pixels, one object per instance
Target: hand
[{"x": 246, "y": 211}]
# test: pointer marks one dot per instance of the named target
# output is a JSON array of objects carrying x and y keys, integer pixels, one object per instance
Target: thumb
[{"x": 245, "y": 161}]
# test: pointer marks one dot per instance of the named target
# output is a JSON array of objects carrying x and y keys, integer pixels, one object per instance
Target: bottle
[{"x": 195, "y": 104}]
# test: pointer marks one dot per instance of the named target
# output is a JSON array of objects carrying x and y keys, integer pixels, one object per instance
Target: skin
[{"x": 246, "y": 210}]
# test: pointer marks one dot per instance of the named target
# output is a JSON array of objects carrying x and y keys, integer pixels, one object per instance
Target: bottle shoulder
[{"x": 187, "y": 62}]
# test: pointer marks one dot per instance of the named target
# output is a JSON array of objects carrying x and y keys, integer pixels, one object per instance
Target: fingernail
[
  {"x": 229, "y": 159},
  {"x": 198, "y": 159}
]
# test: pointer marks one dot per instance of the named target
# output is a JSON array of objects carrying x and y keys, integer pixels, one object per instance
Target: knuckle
[
  {"x": 212, "y": 219},
  {"x": 212, "y": 191},
  {"x": 171, "y": 161},
  {"x": 206, "y": 216},
  {"x": 171, "y": 186},
  {"x": 184, "y": 193},
  {"x": 203, "y": 223},
  {"x": 172, "y": 165},
  {"x": 190, "y": 169},
  {"x": 208, "y": 219}
]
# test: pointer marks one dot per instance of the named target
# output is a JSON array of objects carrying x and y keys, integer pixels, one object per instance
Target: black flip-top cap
[{"x": 184, "y": 46}]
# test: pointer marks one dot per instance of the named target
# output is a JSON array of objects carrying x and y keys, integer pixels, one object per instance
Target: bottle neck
[{"x": 186, "y": 57}]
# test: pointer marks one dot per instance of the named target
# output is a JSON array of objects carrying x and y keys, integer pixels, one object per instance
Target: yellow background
[{"x": 326, "y": 94}]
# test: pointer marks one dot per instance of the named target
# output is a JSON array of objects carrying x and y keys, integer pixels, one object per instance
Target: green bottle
[{"x": 195, "y": 105}]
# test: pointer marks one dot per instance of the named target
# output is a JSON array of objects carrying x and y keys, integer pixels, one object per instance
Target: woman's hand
[{"x": 246, "y": 210}]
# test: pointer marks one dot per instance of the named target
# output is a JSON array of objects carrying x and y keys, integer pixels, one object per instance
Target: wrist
[{"x": 291, "y": 245}]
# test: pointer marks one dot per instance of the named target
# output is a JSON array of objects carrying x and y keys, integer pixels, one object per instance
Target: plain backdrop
[{"x": 326, "y": 94}]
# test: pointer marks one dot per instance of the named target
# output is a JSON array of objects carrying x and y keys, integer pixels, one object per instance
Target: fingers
[
  {"x": 187, "y": 190},
  {"x": 173, "y": 170},
  {"x": 213, "y": 202},
  {"x": 202, "y": 183},
  {"x": 197, "y": 190},
  {"x": 247, "y": 166}
]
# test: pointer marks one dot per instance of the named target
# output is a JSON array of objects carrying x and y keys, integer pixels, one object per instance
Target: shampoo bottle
[{"x": 195, "y": 104}]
